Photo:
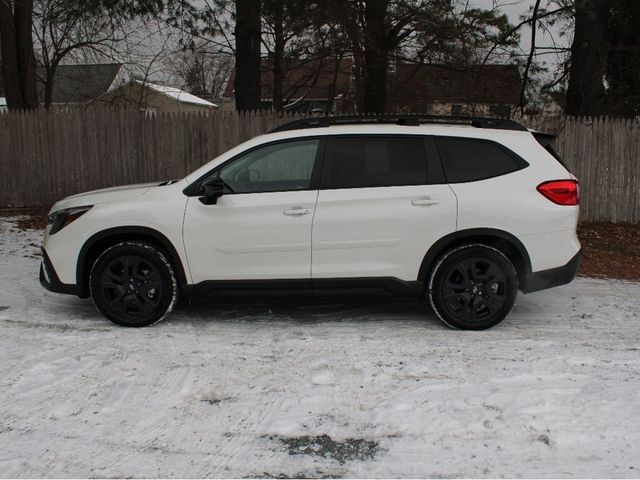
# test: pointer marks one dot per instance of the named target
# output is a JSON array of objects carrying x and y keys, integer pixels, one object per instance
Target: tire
[
  {"x": 133, "y": 284},
  {"x": 472, "y": 287}
]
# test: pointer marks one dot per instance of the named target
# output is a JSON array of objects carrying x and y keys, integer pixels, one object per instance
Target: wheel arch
[
  {"x": 102, "y": 240},
  {"x": 507, "y": 243}
]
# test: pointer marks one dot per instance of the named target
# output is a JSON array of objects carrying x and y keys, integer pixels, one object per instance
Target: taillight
[{"x": 562, "y": 192}]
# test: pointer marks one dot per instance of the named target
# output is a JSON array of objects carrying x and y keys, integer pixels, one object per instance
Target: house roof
[
  {"x": 312, "y": 79},
  {"x": 419, "y": 85},
  {"x": 177, "y": 94},
  {"x": 79, "y": 83}
]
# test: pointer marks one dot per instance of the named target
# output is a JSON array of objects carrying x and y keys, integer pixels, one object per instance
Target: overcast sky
[{"x": 515, "y": 9}]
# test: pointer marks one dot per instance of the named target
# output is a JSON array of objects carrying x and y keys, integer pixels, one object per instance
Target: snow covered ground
[{"x": 357, "y": 388}]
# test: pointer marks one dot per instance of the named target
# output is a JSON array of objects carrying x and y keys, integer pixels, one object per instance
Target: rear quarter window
[{"x": 471, "y": 159}]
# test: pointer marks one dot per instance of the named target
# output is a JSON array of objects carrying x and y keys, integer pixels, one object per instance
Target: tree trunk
[
  {"x": 247, "y": 31},
  {"x": 10, "y": 69},
  {"x": 18, "y": 60},
  {"x": 586, "y": 93},
  {"x": 278, "y": 54},
  {"x": 331, "y": 97},
  {"x": 48, "y": 85},
  {"x": 623, "y": 63},
  {"x": 376, "y": 56}
]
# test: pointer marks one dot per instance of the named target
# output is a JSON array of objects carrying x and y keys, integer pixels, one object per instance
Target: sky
[{"x": 515, "y": 9}]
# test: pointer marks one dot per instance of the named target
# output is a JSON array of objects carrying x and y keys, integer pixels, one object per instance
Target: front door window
[{"x": 279, "y": 167}]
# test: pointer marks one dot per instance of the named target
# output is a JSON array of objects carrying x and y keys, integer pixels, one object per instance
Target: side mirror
[{"x": 212, "y": 190}]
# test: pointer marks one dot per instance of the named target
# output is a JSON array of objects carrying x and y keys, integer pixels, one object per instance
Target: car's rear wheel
[
  {"x": 472, "y": 287},
  {"x": 133, "y": 284}
]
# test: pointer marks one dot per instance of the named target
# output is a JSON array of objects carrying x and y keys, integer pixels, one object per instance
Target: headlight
[{"x": 60, "y": 219}]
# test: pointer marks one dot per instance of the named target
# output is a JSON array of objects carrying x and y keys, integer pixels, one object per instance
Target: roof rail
[{"x": 407, "y": 120}]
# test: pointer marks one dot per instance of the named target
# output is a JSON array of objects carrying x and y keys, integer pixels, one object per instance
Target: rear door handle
[
  {"x": 297, "y": 211},
  {"x": 419, "y": 202}
]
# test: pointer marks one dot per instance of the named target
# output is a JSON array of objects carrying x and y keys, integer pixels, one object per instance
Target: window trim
[
  {"x": 520, "y": 162},
  {"x": 193, "y": 190},
  {"x": 434, "y": 175}
]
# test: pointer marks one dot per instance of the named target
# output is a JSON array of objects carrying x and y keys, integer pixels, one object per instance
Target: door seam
[{"x": 313, "y": 218}]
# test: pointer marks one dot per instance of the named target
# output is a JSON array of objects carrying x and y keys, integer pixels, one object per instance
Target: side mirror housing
[{"x": 212, "y": 190}]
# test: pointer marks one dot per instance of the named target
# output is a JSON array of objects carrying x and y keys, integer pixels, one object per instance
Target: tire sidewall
[
  {"x": 453, "y": 256},
  {"x": 154, "y": 257}
]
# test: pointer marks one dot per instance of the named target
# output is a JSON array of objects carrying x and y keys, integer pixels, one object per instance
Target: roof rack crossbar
[{"x": 406, "y": 120}]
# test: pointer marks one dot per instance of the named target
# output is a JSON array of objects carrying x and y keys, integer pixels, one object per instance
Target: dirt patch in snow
[
  {"x": 313, "y": 474},
  {"x": 324, "y": 446},
  {"x": 610, "y": 250},
  {"x": 31, "y": 218}
]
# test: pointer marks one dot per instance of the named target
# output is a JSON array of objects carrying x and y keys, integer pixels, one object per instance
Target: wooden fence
[{"x": 47, "y": 156}]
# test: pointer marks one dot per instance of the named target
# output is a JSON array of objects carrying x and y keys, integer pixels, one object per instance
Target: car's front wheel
[
  {"x": 472, "y": 287},
  {"x": 133, "y": 284}
]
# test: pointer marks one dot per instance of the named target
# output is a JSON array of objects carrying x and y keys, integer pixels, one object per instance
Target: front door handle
[
  {"x": 419, "y": 202},
  {"x": 296, "y": 211}
]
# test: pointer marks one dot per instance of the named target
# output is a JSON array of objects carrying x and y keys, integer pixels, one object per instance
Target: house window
[{"x": 501, "y": 111}]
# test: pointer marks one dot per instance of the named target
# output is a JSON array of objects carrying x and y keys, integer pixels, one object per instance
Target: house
[
  {"x": 75, "y": 85},
  {"x": 318, "y": 86},
  {"x": 153, "y": 98},
  {"x": 492, "y": 90},
  {"x": 309, "y": 85}
]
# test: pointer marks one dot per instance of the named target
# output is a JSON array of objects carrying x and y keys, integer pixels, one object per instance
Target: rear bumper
[
  {"x": 49, "y": 278},
  {"x": 534, "y": 281}
]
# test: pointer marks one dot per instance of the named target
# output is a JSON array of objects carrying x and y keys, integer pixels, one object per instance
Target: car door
[
  {"x": 260, "y": 228},
  {"x": 382, "y": 203}
]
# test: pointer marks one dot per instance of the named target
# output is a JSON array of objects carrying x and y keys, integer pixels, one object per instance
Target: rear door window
[
  {"x": 375, "y": 161},
  {"x": 471, "y": 159}
]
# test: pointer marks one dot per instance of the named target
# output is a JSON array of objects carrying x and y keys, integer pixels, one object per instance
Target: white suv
[{"x": 464, "y": 211}]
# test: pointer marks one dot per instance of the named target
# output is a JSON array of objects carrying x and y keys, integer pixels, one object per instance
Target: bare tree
[
  {"x": 291, "y": 37},
  {"x": 200, "y": 70}
]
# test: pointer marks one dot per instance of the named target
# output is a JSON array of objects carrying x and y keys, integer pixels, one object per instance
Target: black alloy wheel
[
  {"x": 473, "y": 287},
  {"x": 133, "y": 284}
]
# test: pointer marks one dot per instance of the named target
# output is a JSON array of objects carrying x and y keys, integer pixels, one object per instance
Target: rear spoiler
[
  {"x": 546, "y": 140},
  {"x": 543, "y": 139}
]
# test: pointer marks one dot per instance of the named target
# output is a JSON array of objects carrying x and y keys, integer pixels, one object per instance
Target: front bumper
[
  {"x": 49, "y": 278},
  {"x": 535, "y": 281}
]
